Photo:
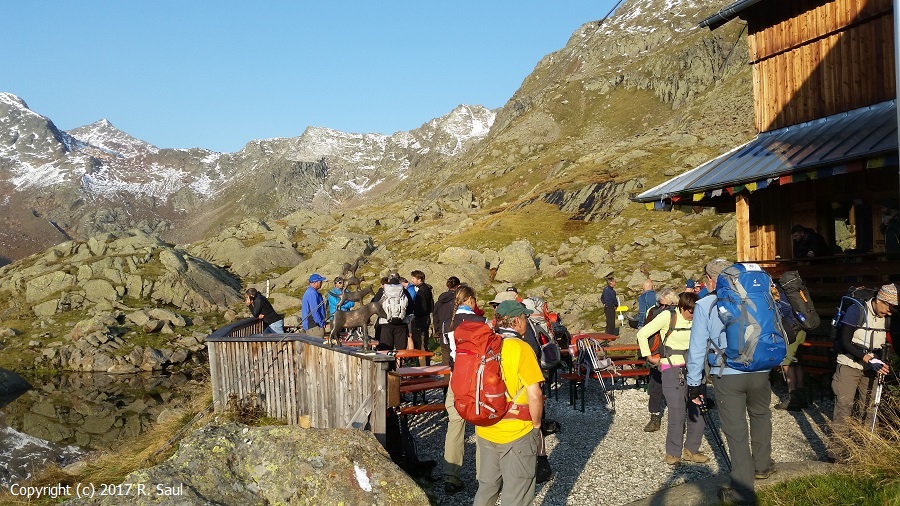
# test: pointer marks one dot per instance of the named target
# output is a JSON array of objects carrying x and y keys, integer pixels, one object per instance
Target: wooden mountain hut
[{"x": 826, "y": 155}]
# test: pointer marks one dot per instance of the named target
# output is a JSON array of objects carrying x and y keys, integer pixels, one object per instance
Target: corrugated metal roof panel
[{"x": 853, "y": 135}]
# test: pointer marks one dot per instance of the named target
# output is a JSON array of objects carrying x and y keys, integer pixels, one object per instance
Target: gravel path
[{"x": 603, "y": 458}]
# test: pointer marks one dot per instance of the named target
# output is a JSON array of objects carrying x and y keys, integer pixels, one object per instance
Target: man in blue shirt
[
  {"x": 312, "y": 310},
  {"x": 646, "y": 300},
  {"x": 739, "y": 396}
]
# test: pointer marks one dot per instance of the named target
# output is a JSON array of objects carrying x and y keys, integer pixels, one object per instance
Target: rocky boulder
[
  {"x": 234, "y": 464},
  {"x": 11, "y": 384},
  {"x": 517, "y": 263}
]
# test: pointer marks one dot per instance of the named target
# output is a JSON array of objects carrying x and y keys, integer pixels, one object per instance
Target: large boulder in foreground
[
  {"x": 234, "y": 464},
  {"x": 11, "y": 384}
]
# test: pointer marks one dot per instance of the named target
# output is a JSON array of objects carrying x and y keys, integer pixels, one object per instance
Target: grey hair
[{"x": 667, "y": 296}]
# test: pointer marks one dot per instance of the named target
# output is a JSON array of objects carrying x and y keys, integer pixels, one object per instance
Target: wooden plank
[{"x": 742, "y": 216}]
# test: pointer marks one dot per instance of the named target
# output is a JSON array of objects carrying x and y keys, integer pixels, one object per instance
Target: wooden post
[{"x": 742, "y": 215}]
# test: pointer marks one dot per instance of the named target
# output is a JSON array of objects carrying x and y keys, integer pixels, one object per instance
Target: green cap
[{"x": 512, "y": 308}]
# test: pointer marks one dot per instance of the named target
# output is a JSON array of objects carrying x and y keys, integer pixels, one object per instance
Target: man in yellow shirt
[{"x": 507, "y": 450}]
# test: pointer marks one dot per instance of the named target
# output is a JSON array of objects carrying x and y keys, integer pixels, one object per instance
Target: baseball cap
[
  {"x": 689, "y": 283},
  {"x": 316, "y": 277},
  {"x": 888, "y": 293},
  {"x": 716, "y": 266},
  {"x": 512, "y": 308},
  {"x": 503, "y": 296}
]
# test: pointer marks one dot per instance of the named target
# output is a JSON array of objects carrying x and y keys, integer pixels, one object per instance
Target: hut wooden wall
[
  {"x": 296, "y": 379},
  {"x": 813, "y": 59}
]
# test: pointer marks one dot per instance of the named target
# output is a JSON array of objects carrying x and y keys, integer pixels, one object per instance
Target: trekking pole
[
  {"x": 714, "y": 433},
  {"x": 877, "y": 401}
]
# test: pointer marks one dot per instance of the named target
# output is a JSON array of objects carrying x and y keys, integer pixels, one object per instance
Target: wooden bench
[
  {"x": 434, "y": 407},
  {"x": 576, "y": 381}
]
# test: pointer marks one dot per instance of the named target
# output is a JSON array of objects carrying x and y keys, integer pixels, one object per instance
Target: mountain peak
[
  {"x": 10, "y": 99},
  {"x": 104, "y": 135}
]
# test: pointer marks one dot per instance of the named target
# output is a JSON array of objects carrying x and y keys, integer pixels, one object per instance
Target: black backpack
[{"x": 799, "y": 298}]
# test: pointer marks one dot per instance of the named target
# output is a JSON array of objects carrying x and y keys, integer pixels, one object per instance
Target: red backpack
[{"x": 477, "y": 381}]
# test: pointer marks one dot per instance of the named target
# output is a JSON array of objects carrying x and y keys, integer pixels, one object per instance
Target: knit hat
[{"x": 888, "y": 293}]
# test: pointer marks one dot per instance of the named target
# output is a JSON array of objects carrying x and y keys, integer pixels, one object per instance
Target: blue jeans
[{"x": 275, "y": 328}]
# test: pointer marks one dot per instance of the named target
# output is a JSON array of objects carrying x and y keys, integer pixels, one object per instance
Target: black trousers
[{"x": 610, "y": 312}]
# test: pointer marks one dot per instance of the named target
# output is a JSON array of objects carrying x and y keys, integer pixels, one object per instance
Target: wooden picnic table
[
  {"x": 616, "y": 348},
  {"x": 600, "y": 336},
  {"x": 428, "y": 370}
]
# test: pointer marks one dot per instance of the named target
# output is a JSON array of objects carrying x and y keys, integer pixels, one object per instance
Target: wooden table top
[
  {"x": 621, "y": 347},
  {"x": 428, "y": 370},
  {"x": 600, "y": 336}
]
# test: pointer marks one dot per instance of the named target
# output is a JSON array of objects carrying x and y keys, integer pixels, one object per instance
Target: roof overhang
[
  {"x": 845, "y": 142},
  {"x": 727, "y": 14}
]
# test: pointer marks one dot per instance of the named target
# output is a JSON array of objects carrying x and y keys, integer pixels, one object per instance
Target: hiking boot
[
  {"x": 795, "y": 402},
  {"x": 697, "y": 458},
  {"x": 672, "y": 460},
  {"x": 542, "y": 471},
  {"x": 763, "y": 475},
  {"x": 653, "y": 424},
  {"x": 453, "y": 486}
]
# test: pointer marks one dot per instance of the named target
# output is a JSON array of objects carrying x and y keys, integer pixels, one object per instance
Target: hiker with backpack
[
  {"x": 743, "y": 392},
  {"x": 443, "y": 314},
  {"x": 395, "y": 301},
  {"x": 860, "y": 338},
  {"x": 666, "y": 301},
  {"x": 507, "y": 426},
  {"x": 684, "y": 431},
  {"x": 463, "y": 309}
]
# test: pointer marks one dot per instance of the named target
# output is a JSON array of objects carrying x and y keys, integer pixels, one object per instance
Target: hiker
[
  {"x": 685, "y": 425},
  {"x": 334, "y": 299},
  {"x": 740, "y": 396},
  {"x": 646, "y": 300},
  {"x": 312, "y": 309},
  {"x": 689, "y": 286},
  {"x": 793, "y": 372},
  {"x": 462, "y": 308},
  {"x": 443, "y": 314},
  {"x": 261, "y": 308},
  {"x": 610, "y": 302},
  {"x": 860, "y": 361},
  {"x": 808, "y": 243},
  {"x": 507, "y": 450},
  {"x": 515, "y": 291},
  {"x": 395, "y": 301},
  {"x": 666, "y": 300},
  {"x": 421, "y": 309},
  {"x": 702, "y": 292}
]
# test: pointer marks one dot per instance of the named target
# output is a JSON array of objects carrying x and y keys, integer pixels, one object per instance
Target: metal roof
[{"x": 831, "y": 141}]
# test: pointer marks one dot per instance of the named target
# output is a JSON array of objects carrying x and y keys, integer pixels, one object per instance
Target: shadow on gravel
[{"x": 577, "y": 444}]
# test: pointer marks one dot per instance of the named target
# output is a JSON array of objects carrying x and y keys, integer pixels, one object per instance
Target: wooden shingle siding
[{"x": 813, "y": 59}]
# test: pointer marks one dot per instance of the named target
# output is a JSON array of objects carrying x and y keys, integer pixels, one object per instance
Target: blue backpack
[{"x": 753, "y": 330}]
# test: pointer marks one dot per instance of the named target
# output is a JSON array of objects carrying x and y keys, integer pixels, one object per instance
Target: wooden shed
[{"x": 826, "y": 155}]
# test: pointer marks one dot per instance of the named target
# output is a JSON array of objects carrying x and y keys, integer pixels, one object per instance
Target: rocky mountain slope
[{"x": 535, "y": 194}]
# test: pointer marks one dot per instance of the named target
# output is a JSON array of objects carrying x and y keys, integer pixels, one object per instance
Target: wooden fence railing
[{"x": 296, "y": 377}]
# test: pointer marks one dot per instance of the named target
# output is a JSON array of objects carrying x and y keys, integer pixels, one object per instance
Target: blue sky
[{"x": 216, "y": 75}]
